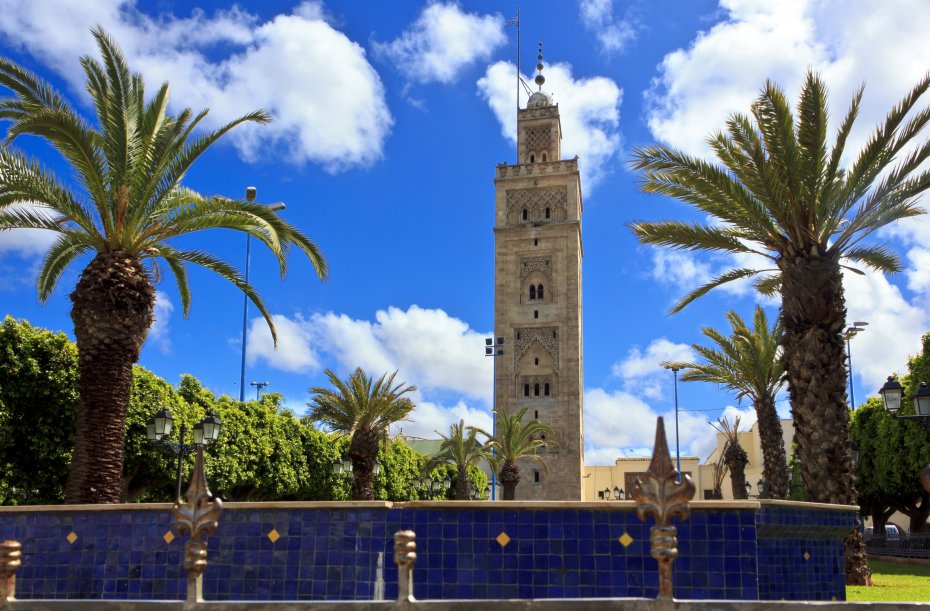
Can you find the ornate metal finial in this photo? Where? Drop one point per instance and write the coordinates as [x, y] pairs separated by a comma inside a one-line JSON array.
[[10, 554], [663, 496], [405, 556], [199, 518], [540, 79]]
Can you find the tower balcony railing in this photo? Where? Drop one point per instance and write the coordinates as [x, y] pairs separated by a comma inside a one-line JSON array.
[[538, 168]]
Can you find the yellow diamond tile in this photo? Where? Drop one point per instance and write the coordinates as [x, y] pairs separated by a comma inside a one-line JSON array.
[[168, 537], [72, 537], [625, 539], [274, 535], [807, 555], [503, 539]]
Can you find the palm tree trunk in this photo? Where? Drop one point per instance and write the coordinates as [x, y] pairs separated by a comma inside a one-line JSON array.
[[112, 310], [510, 477], [363, 452], [462, 485], [813, 317], [774, 459], [736, 460]]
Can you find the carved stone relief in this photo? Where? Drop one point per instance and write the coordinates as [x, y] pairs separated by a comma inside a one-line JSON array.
[[539, 139], [534, 264], [547, 336], [535, 200]]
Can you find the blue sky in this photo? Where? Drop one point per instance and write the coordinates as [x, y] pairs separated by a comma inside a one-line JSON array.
[[389, 120]]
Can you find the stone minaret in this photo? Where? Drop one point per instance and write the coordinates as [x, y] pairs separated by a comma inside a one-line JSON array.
[[537, 301]]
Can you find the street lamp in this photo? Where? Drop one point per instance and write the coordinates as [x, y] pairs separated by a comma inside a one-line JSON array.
[[675, 369], [493, 349], [204, 432], [250, 193], [748, 489], [892, 393], [760, 486], [258, 389], [848, 334], [618, 493]]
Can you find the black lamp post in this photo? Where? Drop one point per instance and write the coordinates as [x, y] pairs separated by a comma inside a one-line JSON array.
[[618, 493], [892, 393], [748, 490], [760, 486], [205, 432]]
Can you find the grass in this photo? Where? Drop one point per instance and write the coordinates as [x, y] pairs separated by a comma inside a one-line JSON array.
[[894, 581]]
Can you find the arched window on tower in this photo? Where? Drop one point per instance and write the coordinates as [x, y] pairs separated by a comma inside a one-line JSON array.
[[532, 292], [526, 390], [546, 389], [525, 214], [536, 390], [548, 213], [539, 292], [532, 158], [544, 157]]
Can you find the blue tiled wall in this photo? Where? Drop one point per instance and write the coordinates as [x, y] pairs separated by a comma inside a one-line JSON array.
[[346, 553]]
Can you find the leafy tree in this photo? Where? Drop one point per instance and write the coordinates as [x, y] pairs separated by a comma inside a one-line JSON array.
[[461, 449], [747, 363], [362, 409], [125, 207], [515, 441], [781, 195], [38, 392]]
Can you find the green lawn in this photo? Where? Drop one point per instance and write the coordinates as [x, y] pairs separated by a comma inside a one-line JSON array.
[[894, 581]]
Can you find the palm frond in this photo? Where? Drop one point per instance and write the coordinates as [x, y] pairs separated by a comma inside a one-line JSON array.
[[60, 255], [879, 258], [691, 236], [728, 276]]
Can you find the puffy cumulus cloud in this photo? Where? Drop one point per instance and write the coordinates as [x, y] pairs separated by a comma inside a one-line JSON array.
[[443, 41], [618, 423], [612, 34], [159, 332], [428, 348], [641, 369], [327, 101], [295, 350], [847, 41], [590, 114]]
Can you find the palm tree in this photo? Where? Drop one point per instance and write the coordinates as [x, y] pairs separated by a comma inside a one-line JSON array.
[[734, 456], [747, 362], [781, 195], [362, 409], [125, 206], [516, 441], [462, 449]]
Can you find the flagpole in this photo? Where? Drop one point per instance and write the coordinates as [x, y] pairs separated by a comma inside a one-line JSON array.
[[518, 65]]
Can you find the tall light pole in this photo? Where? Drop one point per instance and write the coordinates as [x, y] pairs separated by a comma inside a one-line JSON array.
[[259, 386], [848, 334], [493, 349], [250, 193], [675, 370]]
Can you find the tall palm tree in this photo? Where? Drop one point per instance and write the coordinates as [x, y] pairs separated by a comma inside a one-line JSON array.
[[462, 449], [747, 362], [124, 207], [515, 441], [783, 196], [362, 409]]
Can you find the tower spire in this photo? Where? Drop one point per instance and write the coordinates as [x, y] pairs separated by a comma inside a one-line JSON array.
[[540, 79]]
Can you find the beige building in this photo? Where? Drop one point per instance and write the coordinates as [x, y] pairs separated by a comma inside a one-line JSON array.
[[599, 480], [537, 302]]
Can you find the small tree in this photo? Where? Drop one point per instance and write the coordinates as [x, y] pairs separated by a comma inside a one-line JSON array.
[[515, 441], [462, 450], [362, 409], [734, 456]]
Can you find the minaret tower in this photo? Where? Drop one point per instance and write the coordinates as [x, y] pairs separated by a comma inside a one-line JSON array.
[[537, 301]]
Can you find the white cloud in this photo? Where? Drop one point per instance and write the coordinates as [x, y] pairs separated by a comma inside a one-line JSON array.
[[613, 35], [641, 369], [27, 243], [589, 107], [442, 42], [396, 340], [848, 41], [327, 101], [429, 417], [158, 333]]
